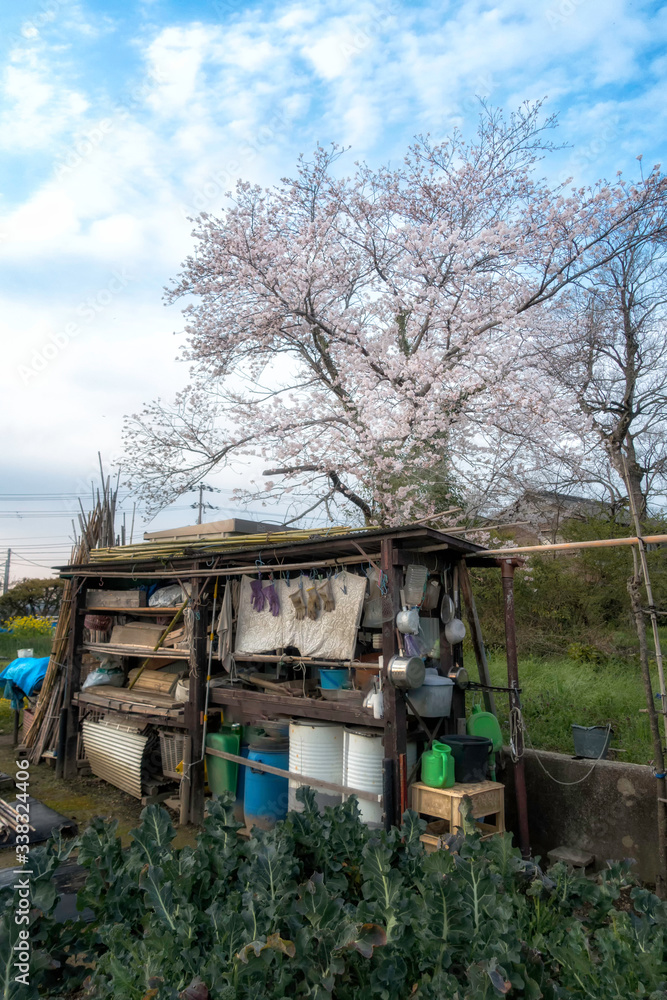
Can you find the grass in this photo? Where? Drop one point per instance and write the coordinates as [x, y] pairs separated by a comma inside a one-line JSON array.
[[11, 642], [559, 691]]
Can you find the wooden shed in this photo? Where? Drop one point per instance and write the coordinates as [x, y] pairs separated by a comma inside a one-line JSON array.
[[204, 569]]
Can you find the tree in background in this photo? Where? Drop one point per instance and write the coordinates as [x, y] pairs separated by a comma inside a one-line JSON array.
[[595, 370], [359, 335], [34, 598]]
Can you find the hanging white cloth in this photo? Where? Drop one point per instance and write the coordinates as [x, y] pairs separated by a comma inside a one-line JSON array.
[[331, 636]]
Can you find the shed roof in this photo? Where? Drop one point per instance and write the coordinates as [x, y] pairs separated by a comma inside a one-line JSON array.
[[151, 557]]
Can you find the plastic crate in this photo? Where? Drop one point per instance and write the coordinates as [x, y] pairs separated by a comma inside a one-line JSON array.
[[171, 749]]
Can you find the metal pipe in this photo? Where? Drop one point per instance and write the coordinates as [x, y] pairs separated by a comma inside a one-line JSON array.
[[507, 570]]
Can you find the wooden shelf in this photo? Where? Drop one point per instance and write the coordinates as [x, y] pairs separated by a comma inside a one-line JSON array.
[[258, 705], [130, 611], [121, 702], [145, 651]]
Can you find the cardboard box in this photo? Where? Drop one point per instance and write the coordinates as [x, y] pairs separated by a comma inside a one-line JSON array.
[[116, 599]]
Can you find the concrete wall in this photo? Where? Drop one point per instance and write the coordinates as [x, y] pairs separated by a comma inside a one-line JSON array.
[[612, 814]]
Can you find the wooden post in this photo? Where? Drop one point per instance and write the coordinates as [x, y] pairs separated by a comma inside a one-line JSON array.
[[194, 712], [476, 636], [507, 567], [184, 790], [394, 706], [73, 679]]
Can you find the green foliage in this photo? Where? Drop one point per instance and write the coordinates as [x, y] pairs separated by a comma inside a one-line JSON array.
[[322, 908], [571, 599], [32, 597]]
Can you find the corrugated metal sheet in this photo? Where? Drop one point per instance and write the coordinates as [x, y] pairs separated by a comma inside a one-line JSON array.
[[118, 754]]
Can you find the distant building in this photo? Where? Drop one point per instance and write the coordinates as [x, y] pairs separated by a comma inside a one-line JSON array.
[[546, 511]]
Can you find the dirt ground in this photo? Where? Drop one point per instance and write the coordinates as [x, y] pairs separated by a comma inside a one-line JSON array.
[[79, 800]]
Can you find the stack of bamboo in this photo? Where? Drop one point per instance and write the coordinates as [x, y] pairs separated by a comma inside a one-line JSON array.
[[95, 528], [10, 818]]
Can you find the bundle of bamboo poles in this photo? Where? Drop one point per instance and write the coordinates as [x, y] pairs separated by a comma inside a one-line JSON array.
[[10, 818], [95, 527], [182, 547]]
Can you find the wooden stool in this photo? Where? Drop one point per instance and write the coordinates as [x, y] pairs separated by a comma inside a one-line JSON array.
[[487, 798]]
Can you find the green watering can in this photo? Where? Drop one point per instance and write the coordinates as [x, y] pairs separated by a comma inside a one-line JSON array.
[[486, 724], [438, 766]]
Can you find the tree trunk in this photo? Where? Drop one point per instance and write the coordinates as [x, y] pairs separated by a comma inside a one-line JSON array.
[[659, 763]]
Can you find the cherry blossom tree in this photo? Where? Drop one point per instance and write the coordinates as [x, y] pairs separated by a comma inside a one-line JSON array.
[[357, 334]]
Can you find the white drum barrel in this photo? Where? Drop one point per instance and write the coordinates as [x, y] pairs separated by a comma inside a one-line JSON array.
[[362, 769], [315, 750]]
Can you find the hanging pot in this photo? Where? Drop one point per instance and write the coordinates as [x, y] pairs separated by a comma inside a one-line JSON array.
[[460, 677], [447, 609], [455, 631], [406, 672]]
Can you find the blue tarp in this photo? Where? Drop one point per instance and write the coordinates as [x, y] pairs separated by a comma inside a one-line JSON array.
[[23, 676]]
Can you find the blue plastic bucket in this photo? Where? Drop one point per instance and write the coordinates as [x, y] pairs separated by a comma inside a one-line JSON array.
[[330, 679], [266, 796]]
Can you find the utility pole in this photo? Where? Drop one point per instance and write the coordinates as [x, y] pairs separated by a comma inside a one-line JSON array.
[[6, 583], [201, 505]]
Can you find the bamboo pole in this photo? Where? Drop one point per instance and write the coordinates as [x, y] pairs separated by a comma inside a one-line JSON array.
[[572, 546], [157, 645], [641, 545]]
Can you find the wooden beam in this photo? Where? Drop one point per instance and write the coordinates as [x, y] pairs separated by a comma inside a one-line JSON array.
[[255, 705], [476, 636], [73, 678], [395, 725], [303, 779], [194, 711]]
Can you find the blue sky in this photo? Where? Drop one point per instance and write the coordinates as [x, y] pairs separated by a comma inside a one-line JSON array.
[[118, 120]]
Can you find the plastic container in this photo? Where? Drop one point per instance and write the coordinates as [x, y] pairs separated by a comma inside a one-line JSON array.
[[485, 724], [265, 796], [373, 613], [429, 633], [433, 699], [223, 774], [471, 757], [432, 595], [438, 766], [415, 584], [25, 654], [591, 741], [333, 678], [316, 750], [363, 754]]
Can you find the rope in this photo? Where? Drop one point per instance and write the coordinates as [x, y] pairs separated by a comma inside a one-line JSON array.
[[578, 780]]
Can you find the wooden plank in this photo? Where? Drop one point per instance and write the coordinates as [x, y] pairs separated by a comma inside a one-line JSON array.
[[167, 612], [159, 714], [123, 650], [117, 599], [294, 776], [476, 636], [256, 706]]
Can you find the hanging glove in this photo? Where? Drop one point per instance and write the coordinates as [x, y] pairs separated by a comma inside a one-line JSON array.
[[313, 602], [326, 595], [299, 607], [272, 597], [257, 599]]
